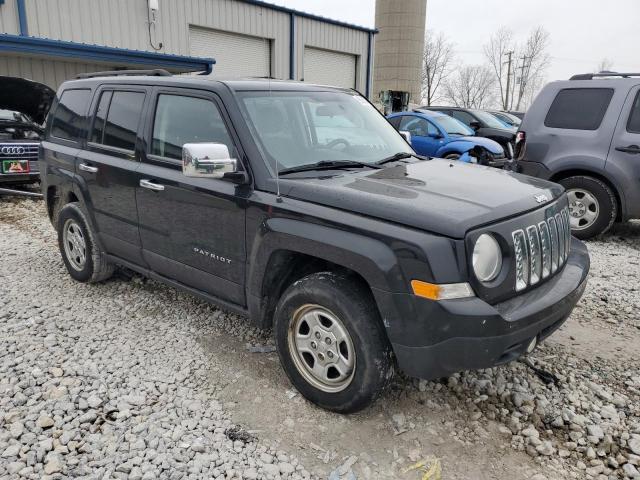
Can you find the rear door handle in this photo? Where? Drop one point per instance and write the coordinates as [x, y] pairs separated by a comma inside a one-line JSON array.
[[151, 186], [88, 168], [629, 149]]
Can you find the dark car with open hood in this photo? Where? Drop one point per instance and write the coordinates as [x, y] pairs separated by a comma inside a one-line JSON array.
[[23, 107], [300, 207]]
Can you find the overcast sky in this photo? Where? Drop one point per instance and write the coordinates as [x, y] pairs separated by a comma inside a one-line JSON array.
[[582, 32]]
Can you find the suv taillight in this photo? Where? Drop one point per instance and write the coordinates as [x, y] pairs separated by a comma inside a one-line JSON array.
[[521, 139]]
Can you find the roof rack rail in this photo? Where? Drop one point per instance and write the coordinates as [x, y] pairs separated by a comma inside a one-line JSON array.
[[591, 76], [158, 72]]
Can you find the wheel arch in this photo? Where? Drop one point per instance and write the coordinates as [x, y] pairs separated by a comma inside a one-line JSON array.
[[577, 172], [291, 249]]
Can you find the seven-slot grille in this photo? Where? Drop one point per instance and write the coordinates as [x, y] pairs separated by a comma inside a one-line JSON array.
[[542, 249], [19, 151]]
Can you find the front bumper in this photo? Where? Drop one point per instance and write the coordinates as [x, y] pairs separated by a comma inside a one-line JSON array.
[[471, 334], [21, 178]]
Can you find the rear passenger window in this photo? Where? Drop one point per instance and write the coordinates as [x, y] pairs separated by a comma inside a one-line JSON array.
[[117, 118], [579, 108], [69, 119], [634, 117], [101, 116], [181, 120]]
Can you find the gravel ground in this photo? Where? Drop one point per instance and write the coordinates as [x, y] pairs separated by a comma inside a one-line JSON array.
[[132, 379]]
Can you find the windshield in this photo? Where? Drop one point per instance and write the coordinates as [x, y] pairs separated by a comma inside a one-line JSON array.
[[452, 126], [11, 116], [490, 120], [304, 128], [511, 119]]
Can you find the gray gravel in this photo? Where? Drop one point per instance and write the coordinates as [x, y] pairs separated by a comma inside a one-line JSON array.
[[97, 382], [111, 380]]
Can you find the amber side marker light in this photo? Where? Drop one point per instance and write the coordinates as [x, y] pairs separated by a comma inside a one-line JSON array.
[[434, 291]]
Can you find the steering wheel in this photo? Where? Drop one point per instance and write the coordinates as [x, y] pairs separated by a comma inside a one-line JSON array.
[[338, 141]]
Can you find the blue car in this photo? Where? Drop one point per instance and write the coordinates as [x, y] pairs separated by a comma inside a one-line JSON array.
[[435, 134]]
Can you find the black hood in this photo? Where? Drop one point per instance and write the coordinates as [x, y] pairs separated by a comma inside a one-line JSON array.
[[24, 96], [440, 196]]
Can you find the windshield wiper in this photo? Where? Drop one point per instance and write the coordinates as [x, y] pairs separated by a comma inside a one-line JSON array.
[[396, 157], [328, 165]]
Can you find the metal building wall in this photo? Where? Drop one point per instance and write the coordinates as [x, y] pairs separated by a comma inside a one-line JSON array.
[[313, 33], [123, 24], [49, 72], [9, 18]]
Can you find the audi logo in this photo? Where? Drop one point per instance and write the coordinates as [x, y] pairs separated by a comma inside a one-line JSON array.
[[12, 150]]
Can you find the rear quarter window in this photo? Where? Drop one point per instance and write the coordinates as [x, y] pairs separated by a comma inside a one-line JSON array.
[[579, 108], [69, 118], [633, 126]]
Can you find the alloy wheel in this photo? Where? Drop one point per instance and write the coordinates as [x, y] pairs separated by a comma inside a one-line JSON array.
[[321, 348]]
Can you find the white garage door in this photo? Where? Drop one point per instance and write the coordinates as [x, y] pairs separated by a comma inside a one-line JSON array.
[[329, 68], [236, 55]]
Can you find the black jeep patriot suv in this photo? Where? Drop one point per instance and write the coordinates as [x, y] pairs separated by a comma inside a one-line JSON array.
[[360, 255]]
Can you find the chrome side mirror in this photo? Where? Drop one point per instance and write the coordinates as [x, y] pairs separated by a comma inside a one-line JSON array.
[[406, 135], [209, 160]]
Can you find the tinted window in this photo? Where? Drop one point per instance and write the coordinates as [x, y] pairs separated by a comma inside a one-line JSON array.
[[464, 117], [634, 117], [181, 120], [123, 116], [69, 118], [97, 134], [579, 108]]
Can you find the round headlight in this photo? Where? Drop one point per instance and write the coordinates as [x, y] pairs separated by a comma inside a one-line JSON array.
[[487, 258]]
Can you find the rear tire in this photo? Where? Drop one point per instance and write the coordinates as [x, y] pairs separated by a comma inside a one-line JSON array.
[[593, 207], [81, 254], [331, 342]]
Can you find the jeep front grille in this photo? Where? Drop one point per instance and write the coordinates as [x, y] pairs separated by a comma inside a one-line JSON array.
[[541, 250]]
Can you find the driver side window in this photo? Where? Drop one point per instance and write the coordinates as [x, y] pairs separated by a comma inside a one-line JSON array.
[[416, 126]]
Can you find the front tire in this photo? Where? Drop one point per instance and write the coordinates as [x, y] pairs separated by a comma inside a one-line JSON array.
[[83, 258], [331, 342], [593, 207]]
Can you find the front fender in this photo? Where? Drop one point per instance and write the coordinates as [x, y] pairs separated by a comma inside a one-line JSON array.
[[454, 147], [378, 265]]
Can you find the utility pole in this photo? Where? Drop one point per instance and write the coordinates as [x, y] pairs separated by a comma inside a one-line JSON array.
[[523, 85], [508, 62]]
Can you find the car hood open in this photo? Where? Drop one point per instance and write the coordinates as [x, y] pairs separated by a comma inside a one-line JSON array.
[[441, 196], [25, 96]]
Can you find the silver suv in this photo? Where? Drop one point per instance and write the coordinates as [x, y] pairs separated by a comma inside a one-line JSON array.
[[584, 133]]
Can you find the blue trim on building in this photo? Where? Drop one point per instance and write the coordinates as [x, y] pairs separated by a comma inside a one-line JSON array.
[[22, 18], [292, 46], [319, 18], [369, 64], [44, 47]]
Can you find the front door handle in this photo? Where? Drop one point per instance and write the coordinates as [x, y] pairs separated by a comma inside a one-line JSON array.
[[88, 168], [629, 149], [151, 186]]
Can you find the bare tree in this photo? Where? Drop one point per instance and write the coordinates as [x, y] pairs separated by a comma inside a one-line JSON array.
[[497, 51], [472, 86], [605, 65], [534, 62], [517, 68], [437, 64]]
